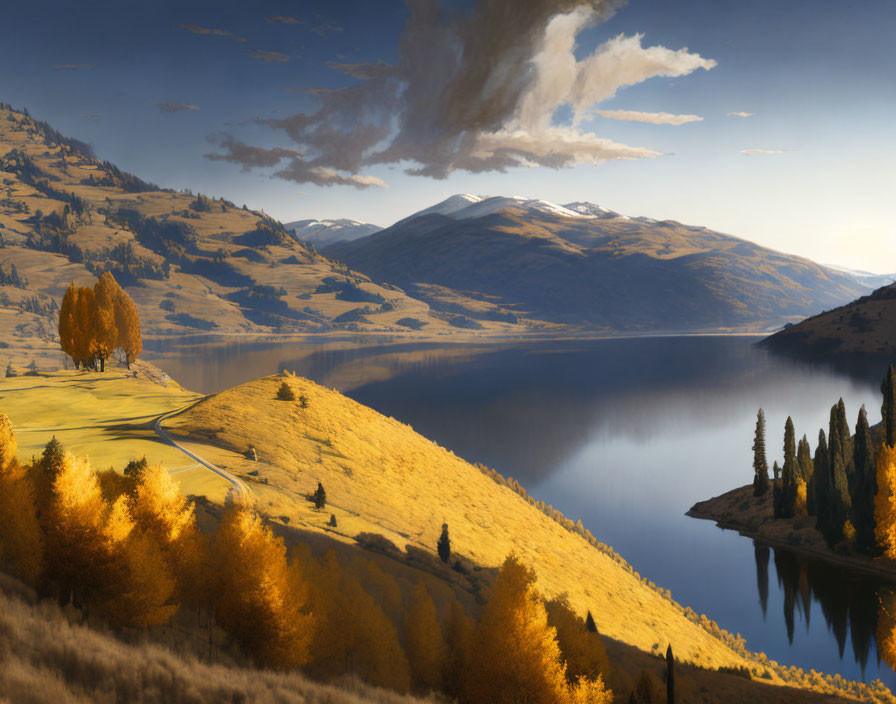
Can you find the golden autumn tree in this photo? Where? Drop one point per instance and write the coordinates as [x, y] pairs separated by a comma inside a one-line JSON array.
[[458, 628], [67, 323], [582, 651], [885, 502], [84, 344], [259, 601], [160, 511], [127, 324], [424, 641], [517, 657], [352, 635], [21, 543], [105, 334]]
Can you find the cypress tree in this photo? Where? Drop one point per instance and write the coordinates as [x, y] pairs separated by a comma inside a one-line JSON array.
[[888, 409], [788, 489], [822, 482], [670, 676], [444, 545], [760, 464], [320, 497], [839, 461], [590, 625], [777, 491], [864, 485]]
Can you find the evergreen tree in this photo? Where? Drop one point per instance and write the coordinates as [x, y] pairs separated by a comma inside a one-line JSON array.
[[789, 473], [888, 409], [760, 464], [590, 624], [320, 497], [444, 545], [670, 676], [864, 485], [840, 464], [822, 480]]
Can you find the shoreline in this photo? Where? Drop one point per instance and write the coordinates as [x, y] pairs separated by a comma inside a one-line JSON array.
[[752, 517]]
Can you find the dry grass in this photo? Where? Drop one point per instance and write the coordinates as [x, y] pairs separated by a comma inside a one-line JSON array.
[[382, 477], [45, 656]]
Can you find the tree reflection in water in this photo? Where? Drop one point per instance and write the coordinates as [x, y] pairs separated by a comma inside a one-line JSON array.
[[863, 607]]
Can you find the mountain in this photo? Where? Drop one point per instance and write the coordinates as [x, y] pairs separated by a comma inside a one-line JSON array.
[[192, 264], [587, 267], [325, 232], [864, 330]]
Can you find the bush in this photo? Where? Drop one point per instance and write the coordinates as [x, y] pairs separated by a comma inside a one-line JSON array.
[[285, 393]]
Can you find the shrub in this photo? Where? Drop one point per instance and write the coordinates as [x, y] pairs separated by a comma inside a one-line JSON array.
[[285, 393]]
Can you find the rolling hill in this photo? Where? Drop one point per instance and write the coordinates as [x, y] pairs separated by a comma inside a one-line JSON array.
[[192, 264], [863, 330], [585, 266]]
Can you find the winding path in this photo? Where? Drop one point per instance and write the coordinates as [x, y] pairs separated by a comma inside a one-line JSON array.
[[238, 484]]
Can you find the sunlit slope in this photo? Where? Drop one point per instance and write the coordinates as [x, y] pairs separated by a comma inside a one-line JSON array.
[[191, 263], [382, 477], [865, 328], [613, 272], [105, 416]]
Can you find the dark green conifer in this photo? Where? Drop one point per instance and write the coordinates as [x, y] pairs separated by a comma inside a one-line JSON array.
[[760, 464], [51, 457], [320, 497], [590, 625], [444, 545], [788, 483], [864, 485], [670, 676], [822, 479], [888, 409], [840, 462]]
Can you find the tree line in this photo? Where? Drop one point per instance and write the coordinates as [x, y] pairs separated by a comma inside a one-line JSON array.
[[849, 485], [95, 321], [125, 547]]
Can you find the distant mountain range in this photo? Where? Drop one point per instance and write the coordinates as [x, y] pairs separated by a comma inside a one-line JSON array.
[[585, 266], [326, 232]]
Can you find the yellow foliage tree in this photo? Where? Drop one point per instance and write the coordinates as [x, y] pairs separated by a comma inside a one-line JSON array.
[[352, 633], [259, 601], [517, 656], [127, 323], [582, 651], [425, 644], [885, 502], [459, 629], [67, 323], [104, 333], [21, 543]]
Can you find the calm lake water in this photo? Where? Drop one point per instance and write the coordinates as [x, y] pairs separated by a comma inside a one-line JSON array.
[[626, 435]]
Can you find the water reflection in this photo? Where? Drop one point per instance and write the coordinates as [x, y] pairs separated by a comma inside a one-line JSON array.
[[849, 603]]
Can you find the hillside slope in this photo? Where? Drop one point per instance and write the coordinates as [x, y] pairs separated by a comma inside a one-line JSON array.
[[382, 478], [862, 330], [587, 266], [191, 263]]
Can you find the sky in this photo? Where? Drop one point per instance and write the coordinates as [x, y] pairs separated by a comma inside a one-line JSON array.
[[770, 120]]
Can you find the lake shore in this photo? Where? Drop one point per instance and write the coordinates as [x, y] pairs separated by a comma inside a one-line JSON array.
[[752, 517]]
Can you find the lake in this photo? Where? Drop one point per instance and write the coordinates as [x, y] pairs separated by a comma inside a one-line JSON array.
[[625, 434]]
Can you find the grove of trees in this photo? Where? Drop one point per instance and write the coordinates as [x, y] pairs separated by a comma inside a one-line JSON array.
[[126, 548], [94, 322], [849, 486]]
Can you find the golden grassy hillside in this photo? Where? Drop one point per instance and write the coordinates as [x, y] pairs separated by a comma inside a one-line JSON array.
[[65, 215], [382, 477]]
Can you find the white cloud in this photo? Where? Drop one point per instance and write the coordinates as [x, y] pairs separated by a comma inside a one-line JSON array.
[[761, 152], [741, 114], [654, 118]]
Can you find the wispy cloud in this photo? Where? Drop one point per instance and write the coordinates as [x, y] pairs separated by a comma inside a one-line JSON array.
[[174, 107], [654, 118], [268, 56], [284, 20], [741, 114], [212, 31], [90, 116], [74, 67], [477, 91], [764, 152], [323, 29]]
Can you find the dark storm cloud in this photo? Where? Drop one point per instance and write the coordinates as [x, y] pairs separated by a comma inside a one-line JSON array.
[[213, 31], [268, 56], [174, 107], [476, 91], [247, 156]]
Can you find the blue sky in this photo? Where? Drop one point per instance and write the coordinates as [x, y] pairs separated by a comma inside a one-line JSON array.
[[816, 76]]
